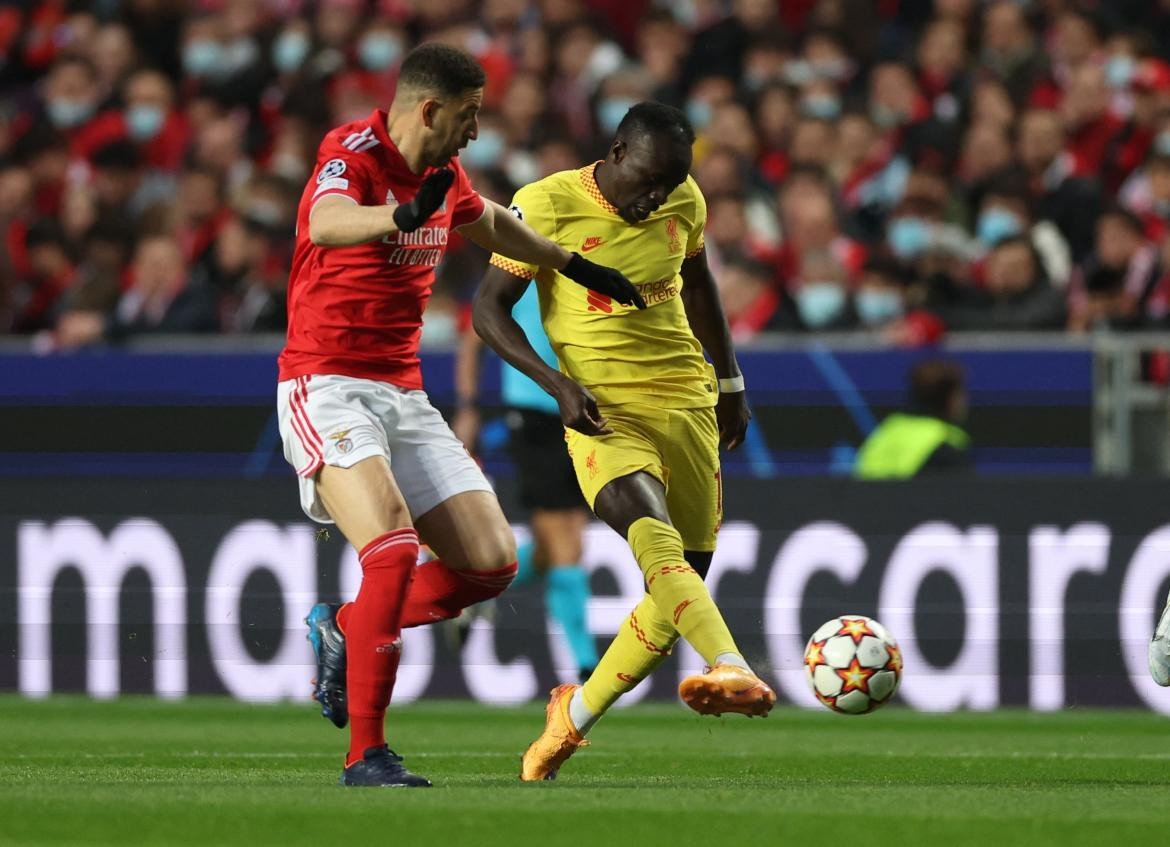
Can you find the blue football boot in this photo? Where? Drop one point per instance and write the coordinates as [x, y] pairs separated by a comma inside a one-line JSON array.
[[329, 646]]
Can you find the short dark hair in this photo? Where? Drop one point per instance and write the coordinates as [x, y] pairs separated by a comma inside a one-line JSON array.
[[1039, 271], [46, 232], [932, 384], [1009, 184], [1124, 216], [651, 118], [441, 69]]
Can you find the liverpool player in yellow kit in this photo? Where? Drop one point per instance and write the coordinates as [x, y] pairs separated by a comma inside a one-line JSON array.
[[644, 412]]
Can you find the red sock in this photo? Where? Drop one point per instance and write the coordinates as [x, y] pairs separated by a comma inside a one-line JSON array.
[[439, 593], [372, 624]]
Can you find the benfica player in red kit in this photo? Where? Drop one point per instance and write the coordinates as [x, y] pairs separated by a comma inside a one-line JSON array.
[[371, 453]]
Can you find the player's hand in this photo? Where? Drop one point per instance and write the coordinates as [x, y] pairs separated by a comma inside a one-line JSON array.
[[732, 415], [603, 280], [410, 216], [579, 409]]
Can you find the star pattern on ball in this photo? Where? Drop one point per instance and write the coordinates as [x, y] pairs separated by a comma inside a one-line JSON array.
[[895, 661], [855, 628], [813, 656], [831, 702], [855, 677]]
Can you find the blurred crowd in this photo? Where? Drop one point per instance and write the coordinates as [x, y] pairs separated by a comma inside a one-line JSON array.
[[901, 167]]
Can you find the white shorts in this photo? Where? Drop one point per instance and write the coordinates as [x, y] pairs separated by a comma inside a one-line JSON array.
[[340, 420]]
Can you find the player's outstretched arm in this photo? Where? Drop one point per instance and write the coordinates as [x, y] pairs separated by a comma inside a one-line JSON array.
[[338, 221], [501, 232], [492, 318], [709, 324]]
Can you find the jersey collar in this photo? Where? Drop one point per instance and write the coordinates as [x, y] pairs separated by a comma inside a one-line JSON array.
[[589, 181]]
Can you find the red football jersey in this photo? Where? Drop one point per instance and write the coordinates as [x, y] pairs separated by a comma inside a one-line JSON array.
[[357, 311]]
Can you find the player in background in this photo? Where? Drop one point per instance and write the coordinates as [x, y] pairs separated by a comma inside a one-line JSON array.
[[548, 486], [371, 453], [644, 411]]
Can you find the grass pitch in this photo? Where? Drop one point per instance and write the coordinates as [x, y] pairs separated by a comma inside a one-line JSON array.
[[210, 771]]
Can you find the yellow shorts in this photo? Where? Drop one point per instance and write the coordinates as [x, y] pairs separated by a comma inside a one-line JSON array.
[[679, 447]]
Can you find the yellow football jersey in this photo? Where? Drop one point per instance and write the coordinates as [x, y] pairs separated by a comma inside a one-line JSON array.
[[621, 354]]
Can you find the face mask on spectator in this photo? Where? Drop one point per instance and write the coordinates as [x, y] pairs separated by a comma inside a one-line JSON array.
[[290, 166], [756, 80], [799, 72], [823, 106], [1162, 144], [832, 69], [239, 55], [66, 113], [202, 58], [884, 116], [819, 302], [610, 112], [996, 224], [877, 306], [485, 151], [699, 114], [379, 52], [144, 121], [1119, 71], [521, 167], [289, 51], [908, 237], [265, 212]]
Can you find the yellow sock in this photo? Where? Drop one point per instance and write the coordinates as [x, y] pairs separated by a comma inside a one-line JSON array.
[[643, 642], [678, 592]]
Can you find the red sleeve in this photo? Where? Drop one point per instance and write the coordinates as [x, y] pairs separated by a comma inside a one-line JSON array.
[[343, 171], [468, 203]]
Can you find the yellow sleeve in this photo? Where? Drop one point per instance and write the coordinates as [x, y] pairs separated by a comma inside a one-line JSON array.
[[532, 205], [695, 239]]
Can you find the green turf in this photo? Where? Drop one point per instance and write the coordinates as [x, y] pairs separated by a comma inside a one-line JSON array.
[[210, 771]]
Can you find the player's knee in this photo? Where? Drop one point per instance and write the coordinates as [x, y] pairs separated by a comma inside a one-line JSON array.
[[494, 550]]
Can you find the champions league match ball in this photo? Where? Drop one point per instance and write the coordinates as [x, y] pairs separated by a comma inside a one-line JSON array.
[[852, 664]]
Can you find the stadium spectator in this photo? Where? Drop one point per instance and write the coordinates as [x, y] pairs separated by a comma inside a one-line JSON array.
[[1006, 212], [70, 96], [158, 299], [750, 299], [881, 298], [1111, 286], [820, 293], [50, 273], [1034, 118], [1015, 295], [1059, 194], [147, 119]]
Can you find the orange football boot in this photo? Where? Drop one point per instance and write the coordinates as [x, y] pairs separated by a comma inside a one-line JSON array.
[[727, 688], [558, 742]]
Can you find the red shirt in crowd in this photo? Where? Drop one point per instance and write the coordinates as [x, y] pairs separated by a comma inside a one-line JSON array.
[[164, 152], [357, 311]]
